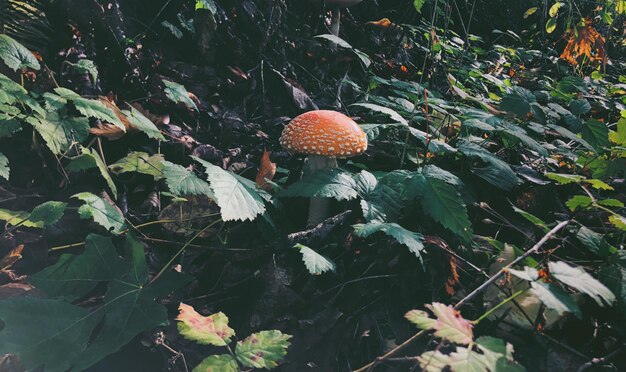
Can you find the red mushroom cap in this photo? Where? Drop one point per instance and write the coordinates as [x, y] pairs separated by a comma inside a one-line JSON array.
[[324, 132]]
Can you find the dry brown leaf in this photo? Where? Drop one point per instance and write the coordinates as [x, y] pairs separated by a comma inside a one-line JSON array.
[[383, 23], [267, 170], [584, 41], [12, 257], [108, 130], [156, 119]]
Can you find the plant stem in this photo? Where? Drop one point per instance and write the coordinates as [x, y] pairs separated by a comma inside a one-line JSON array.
[[495, 308]]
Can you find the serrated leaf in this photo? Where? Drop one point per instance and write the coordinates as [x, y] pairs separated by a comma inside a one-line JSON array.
[[413, 240], [92, 108], [571, 136], [497, 172], [15, 55], [60, 132], [101, 212], [182, 182], [565, 179], [421, 319], [596, 133], [140, 122], [4, 167], [86, 66], [618, 221], [555, 298], [448, 324], [61, 336], [418, 4], [315, 263], [327, 183], [140, 162], [217, 363], [595, 242], [263, 349], [178, 94], [206, 330], [12, 218], [580, 280], [578, 201], [47, 213], [579, 106], [89, 158], [598, 184], [532, 218], [239, 199], [381, 199], [611, 203], [383, 110]]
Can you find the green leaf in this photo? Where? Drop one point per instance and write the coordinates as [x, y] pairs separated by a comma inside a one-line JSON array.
[[47, 213], [239, 199], [86, 66], [263, 349], [140, 162], [206, 330], [4, 167], [516, 103], [554, 9], [207, 4], [15, 55], [530, 11], [393, 115], [327, 183], [532, 218], [138, 121], [611, 203], [217, 363], [618, 221], [580, 280], [60, 336], [91, 108], [101, 212], [315, 263], [578, 201], [497, 172], [565, 179], [12, 218], [596, 133], [551, 25], [418, 4], [598, 184], [595, 242], [580, 106], [555, 298], [60, 133], [413, 240], [182, 182], [363, 57], [89, 158], [381, 199], [571, 136], [178, 94]]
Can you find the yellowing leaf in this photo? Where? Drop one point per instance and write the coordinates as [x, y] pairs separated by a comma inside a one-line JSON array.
[[448, 325], [207, 330], [554, 9], [530, 12]]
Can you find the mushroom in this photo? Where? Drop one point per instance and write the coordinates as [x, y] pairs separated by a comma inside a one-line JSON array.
[[336, 6], [324, 136]]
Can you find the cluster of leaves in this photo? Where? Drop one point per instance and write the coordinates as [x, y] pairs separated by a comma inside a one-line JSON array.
[[259, 350]]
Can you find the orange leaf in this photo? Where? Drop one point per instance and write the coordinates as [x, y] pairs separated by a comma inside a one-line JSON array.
[[585, 41], [12, 257], [267, 170]]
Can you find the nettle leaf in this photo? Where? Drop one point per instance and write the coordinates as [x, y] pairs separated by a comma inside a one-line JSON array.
[[47, 213], [140, 162], [53, 333], [15, 55], [381, 199], [315, 263], [448, 324], [4, 167], [206, 330], [413, 240], [60, 132], [327, 183], [92, 108], [596, 133], [555, 298], [101, 212], [580, 280], [89, 158], [578, 201], [217, 363], [239, 199], [383, 110], [182, 182], [140, 122], [263, 349], [497, 172], [178, 94]]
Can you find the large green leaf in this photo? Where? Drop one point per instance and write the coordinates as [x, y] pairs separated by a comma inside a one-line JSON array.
[[413, 240], [217, 363], [140, 162], [263, 349], [580, 280], [178, 94], [327, 183], [15, 55], [47, 213], [60, 132], [239, 199], [4, 167], [381, 199], [181, 181], [89, 158], [497, 172], [393, 115], [595, 242], [596, 133], [60, 336], [101, 212], [555, 298], [140, 122], [91, 108]]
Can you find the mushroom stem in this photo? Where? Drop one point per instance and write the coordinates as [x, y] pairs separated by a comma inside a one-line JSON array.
[[319, 207]]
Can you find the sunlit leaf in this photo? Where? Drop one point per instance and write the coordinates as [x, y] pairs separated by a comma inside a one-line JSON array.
[[315, 263], [15, 55], [580, 280], [207, 330], [263, 349], [101, 212]]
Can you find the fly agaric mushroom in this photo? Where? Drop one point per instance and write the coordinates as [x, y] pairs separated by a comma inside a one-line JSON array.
[[336, 12], [324, 136]]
